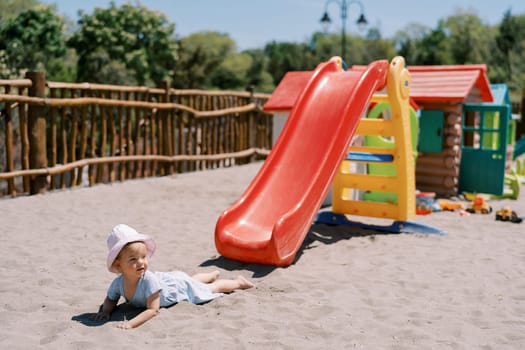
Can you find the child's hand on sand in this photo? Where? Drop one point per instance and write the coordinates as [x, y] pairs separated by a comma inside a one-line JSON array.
[[124, 324]]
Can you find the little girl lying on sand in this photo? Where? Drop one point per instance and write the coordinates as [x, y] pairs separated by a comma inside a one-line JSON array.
[[128, 256]]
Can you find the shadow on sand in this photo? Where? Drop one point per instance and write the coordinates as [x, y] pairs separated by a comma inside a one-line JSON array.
[[326, 234], [121, 313]]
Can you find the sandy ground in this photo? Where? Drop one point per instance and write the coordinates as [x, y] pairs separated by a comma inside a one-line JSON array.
[[348, 288]]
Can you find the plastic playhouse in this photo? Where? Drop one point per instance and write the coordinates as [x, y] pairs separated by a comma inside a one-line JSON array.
[[467, 130]]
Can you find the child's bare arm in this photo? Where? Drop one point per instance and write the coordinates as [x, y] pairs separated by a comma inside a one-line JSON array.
[[107, 308], [152, 309]]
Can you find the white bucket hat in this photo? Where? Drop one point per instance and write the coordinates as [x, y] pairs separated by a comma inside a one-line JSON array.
[[120, 236]]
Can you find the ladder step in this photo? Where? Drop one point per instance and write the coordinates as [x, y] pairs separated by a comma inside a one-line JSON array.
[[370, 157]]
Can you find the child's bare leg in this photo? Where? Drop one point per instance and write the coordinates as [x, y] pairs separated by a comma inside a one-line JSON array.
[[207, 277], [226, 286]]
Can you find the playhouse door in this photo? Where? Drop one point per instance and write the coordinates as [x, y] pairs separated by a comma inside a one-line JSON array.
[[484, 145]]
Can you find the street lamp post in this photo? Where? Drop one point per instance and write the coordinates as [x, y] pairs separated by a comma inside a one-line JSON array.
[[343, 6]]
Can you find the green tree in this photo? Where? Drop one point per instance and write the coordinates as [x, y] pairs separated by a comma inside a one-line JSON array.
[[106, 70], [359, 50], [469, 39], [511, 33], [284, 57], [376, 47], [200, 55], [33, 40], [230, 74], [324, 46], [124, 44], [510, 40], [192, 70], [257, 75], [406, 41], [9, 9], [434, 48]]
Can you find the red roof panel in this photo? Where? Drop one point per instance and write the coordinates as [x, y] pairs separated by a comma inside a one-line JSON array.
[[429, 83], [449, 82], [286, 93]]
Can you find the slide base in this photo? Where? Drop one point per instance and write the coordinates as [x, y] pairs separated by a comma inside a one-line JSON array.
[[327, 217]]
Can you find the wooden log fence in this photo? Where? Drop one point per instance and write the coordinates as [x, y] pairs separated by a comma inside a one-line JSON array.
[[57, 135]]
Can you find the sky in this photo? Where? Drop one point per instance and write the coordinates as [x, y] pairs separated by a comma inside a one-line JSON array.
[[252, 24]]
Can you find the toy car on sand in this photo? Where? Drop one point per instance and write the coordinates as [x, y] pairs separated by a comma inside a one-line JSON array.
[[479, 205], [507, 214]]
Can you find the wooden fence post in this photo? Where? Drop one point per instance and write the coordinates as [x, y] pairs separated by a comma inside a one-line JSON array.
[[37, 132], [166, 147], [252, 125]]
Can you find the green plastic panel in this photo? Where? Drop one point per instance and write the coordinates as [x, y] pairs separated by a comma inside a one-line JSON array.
[[431, 131]]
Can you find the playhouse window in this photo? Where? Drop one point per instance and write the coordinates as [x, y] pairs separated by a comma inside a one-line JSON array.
[[481, 130]]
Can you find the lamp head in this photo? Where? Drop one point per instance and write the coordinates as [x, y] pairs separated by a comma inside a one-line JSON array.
[[362, 22], [325, 21]]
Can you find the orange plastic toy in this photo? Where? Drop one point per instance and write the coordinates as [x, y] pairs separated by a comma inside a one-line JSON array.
[[450, 205], [479, 205]]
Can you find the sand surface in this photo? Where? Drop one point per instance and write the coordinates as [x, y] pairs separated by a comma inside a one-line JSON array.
[[348, 288]]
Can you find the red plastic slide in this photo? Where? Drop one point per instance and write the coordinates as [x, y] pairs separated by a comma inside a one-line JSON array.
[[269, 222]]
